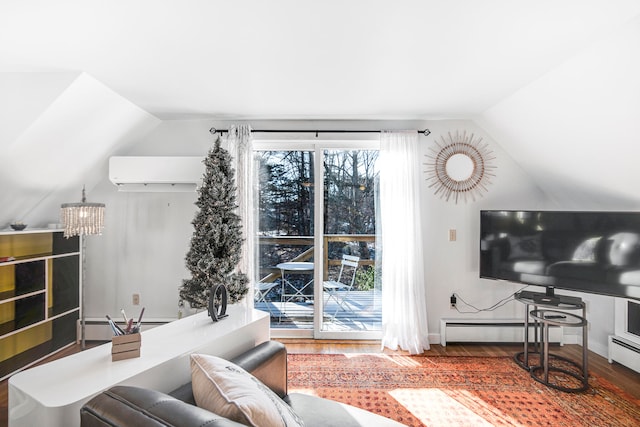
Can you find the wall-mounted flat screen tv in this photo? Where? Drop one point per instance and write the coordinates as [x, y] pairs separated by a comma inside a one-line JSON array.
[[595, 252]]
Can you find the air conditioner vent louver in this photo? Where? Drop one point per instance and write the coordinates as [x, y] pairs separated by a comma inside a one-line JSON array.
[[156, 174]]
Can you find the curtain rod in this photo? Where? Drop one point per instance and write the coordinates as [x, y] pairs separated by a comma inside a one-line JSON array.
[[213, 131]]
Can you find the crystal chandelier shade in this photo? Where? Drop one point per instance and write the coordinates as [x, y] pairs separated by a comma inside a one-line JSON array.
[[82, 218]]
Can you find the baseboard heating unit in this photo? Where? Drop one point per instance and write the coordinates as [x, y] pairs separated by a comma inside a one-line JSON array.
[[625, 352], [491, 330], [97, 329]]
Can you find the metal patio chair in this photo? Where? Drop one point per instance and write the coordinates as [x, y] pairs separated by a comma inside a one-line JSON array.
[[339, 290], [261, 291]]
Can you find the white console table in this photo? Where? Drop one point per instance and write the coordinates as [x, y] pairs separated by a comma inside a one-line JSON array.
[[52, 394]]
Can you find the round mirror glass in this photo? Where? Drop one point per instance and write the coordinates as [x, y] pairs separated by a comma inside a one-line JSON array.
[[459, 167]]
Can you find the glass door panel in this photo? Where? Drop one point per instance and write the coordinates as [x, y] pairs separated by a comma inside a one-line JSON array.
[[285, 199], [351, 294]]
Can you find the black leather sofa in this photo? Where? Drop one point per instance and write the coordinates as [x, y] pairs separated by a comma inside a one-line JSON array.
[[140, 407]]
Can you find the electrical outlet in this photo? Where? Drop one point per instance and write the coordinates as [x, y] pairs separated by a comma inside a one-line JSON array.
[[136, 299], [453, 235]]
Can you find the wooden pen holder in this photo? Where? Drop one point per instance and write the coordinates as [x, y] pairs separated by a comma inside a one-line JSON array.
[[125, 346]]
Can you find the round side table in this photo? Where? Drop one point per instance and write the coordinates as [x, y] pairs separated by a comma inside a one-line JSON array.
[[563, 377], [530, 299]]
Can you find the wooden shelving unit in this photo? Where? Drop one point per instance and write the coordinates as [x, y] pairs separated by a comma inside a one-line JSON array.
[[39, 296]]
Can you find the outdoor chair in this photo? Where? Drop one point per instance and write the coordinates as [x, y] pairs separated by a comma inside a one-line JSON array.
[[261, 291], [338, 290]]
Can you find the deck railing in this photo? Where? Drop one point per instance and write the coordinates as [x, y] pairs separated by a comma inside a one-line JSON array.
[[272, 273]]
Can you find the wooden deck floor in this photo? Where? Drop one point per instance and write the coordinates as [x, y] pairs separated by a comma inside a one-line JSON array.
[[363, 313]]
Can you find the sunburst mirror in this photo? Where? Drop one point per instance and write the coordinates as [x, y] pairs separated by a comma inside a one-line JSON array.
[[460, 167]]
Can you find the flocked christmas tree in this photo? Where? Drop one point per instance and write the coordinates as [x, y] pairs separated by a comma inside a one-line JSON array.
[[217, 240]]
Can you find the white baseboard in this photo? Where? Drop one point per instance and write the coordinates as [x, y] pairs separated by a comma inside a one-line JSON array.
[[491, 330], [624, 352]]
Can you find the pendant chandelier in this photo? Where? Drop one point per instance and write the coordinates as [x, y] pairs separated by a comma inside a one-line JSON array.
[[82, 218]]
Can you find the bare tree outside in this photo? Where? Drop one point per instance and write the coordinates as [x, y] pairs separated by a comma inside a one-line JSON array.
[[286, 208], [287, 233]]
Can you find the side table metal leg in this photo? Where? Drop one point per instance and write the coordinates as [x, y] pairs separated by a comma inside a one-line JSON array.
[[585, 355], [545, 344], [536, 333], [526, 336]]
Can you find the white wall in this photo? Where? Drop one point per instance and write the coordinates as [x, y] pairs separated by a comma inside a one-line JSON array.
[[453, 266], [572, 133], [141, 251], [575, 132], [575, 129], [147, 234], [60, 127]]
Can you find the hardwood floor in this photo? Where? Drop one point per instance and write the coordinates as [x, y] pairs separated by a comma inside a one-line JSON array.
[[626, 379]]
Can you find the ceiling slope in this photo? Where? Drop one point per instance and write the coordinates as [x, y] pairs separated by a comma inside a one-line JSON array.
[[25, 96], [576, 129], [64, 147], [306, 59]]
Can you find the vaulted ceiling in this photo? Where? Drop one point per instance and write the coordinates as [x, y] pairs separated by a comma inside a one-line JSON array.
[[305, 59], [544, 77]]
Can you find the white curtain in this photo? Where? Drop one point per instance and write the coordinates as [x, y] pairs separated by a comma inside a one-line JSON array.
[[404, 312], [240, 145]]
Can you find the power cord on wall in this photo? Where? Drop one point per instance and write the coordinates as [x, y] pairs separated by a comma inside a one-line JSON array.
[[455, 297]]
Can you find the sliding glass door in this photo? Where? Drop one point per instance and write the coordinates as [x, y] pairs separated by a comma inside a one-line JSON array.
[[316, 210]]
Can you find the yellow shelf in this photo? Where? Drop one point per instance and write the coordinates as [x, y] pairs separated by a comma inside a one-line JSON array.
[[39, 295]]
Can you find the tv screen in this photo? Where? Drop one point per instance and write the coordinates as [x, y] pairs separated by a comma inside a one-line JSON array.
[[596, 252]]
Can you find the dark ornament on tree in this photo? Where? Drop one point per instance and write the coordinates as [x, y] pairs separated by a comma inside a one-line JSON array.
[[216, 244], [218, 302]]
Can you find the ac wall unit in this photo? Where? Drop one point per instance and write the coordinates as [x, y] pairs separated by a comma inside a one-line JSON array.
[[156, 174]]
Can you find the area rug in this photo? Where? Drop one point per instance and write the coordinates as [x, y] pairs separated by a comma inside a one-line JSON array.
[[457, 391]]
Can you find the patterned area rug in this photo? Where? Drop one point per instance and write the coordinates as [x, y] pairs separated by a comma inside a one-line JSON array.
[[457, 391]]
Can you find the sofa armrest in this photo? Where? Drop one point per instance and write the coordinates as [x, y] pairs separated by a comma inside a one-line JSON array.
[[134, 406], [268, 363]]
